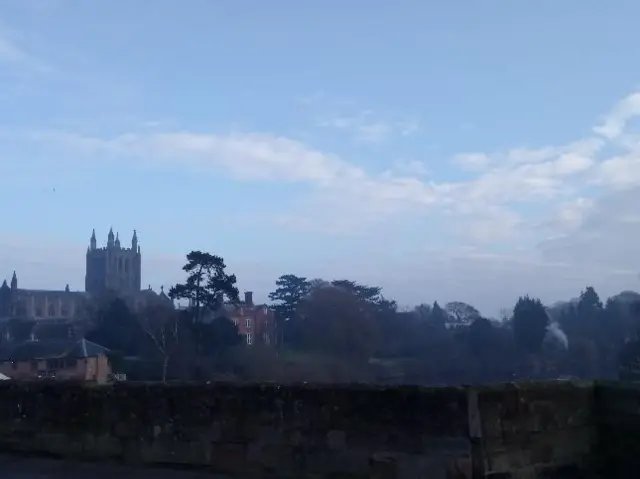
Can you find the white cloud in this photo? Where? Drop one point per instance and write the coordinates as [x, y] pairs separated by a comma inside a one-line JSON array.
[[493, 224], [411, 167], [521, 177], [619, 171], [517, 198], [261, 157], [571, 214], [581, 150], [367, 127], [472, 161], [267, 157], [362, 127], [247, 156], [616, 120], [605, 235], [341, 186]]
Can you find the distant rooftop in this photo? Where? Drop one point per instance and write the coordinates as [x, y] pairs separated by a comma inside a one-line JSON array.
[[52, 349]]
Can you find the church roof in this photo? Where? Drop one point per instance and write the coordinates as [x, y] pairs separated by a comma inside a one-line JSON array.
[[150, 294], [51, 292]]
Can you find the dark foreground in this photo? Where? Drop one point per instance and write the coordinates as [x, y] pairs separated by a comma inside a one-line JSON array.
[[24, 467], [28, 467]]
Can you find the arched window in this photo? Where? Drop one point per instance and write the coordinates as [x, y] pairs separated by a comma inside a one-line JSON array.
[[126, 265], [52, 310]]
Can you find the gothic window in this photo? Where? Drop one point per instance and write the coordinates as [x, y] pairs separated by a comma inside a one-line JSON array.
[[52, 310], [64, 310], [126, 265], [38, 311]]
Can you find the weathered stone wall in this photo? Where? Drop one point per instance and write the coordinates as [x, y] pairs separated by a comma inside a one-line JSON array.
[[534, 429], [292, 431], [309, 431], [618, 414]]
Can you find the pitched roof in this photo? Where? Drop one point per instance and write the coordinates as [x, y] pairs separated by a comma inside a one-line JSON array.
[[52, 349], [86, 349]]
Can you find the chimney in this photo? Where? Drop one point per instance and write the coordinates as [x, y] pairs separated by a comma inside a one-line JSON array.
[[248, 298]]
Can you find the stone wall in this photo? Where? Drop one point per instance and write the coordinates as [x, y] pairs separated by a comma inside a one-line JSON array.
[[292, 431], [309, 431], [534, 430], [618, 414]]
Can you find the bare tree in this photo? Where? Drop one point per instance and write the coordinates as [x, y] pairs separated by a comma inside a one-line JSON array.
[[161, 324]]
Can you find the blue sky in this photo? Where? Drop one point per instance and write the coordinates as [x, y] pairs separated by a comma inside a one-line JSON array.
[[444, 150]]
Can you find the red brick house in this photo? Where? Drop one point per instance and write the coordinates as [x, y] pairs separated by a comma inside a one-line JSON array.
[[254, 321]]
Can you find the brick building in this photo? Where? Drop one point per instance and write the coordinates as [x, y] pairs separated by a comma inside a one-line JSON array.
[[255, 322], [56, 359]]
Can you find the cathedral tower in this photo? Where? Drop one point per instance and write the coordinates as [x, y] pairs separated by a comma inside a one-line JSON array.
[[113, 267]]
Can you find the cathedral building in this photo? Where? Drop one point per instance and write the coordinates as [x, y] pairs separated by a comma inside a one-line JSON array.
[[38, 304], [112, 268]]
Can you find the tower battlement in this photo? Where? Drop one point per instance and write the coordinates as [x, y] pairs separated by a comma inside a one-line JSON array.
[[106, 248], [113, 267]]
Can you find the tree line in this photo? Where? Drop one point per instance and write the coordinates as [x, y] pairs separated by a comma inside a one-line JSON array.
[[454, 343], [342, 330]]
